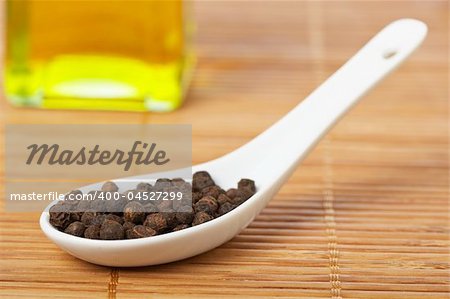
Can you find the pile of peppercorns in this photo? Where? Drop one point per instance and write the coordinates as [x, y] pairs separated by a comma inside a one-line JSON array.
[[131, 219]]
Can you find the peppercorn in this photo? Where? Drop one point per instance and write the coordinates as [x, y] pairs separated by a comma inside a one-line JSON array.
[[98, 204], [128, 225], [140, 231], [244, 193], [88, 217], [201, 217], [225, 208], [59, 219], [223, 198], [231, 193], [115, 205], [75, 216], [171, 218], [99, 219], [164, 205], [83, 206], [111, 230], [185, 188], [114, 218], [185, 200], [185, 215], [150, 208], [201, 180], [110, 187], [196, 196], [180, 227], [178, 182], [248, 184], [67, 205], [213, 191], [207, 204], [157, 222], [134, 212], [162, 183], [246, 188], [146, 187], [92, 232], [238, 200], [75, 228]]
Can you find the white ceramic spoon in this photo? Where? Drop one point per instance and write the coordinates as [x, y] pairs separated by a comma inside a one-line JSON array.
[[269, 159]]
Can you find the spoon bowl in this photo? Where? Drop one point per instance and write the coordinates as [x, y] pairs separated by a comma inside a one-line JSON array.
[[269, 159], [161, 248]]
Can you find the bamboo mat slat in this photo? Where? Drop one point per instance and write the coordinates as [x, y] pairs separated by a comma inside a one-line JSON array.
[[365, 216]]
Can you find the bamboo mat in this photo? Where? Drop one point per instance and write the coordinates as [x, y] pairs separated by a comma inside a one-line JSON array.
[[365, 216]]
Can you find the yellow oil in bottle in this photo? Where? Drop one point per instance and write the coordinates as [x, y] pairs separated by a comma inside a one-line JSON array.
[[94, 54]]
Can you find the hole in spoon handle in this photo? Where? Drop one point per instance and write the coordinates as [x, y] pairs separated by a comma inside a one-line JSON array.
[[398, 40], [389, 53]]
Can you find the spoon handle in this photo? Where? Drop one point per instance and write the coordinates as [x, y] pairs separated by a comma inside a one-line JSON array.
[[273, 155]]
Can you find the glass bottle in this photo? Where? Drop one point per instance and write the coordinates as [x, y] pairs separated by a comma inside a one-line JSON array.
[[94, 54]]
